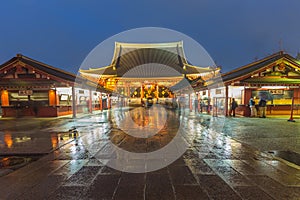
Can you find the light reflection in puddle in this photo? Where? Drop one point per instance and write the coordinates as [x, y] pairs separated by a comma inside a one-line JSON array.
[[58, 139], [8, 140]]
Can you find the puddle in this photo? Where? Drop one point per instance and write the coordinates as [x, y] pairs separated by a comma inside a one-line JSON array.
[[9, 164], [290, 156]]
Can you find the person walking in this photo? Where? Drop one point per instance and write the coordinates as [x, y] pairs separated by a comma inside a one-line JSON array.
[[262, 108], [233, 106], [252, 107]]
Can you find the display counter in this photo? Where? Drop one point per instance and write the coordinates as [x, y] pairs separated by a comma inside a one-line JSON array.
[[272, 109]]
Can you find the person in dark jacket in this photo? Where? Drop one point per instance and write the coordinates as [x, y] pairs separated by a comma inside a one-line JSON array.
[[233, 106], [252, 107], [262, 108]]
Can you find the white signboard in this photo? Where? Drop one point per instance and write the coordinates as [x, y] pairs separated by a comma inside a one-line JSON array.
[[25, 92]]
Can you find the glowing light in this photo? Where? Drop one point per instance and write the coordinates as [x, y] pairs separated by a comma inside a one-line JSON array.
[[8, 140], [54, 141]]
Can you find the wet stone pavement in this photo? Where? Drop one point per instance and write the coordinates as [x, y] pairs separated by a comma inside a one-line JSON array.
[[214, 165]]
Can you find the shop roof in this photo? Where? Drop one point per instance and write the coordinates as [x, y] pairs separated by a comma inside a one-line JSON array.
[[55, 73], [41, 66], [246, 73]]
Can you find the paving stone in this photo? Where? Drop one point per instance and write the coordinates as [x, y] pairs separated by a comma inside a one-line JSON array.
[[44, 188], [252, 193], [278, 175], [94, 162], [235, 179], [109, 171], [103, 187], [190, 192], [198, 166], [133, 179], [84, 176], [159, 171], [70, 168], [284, 167], [181, 175], [4, 172], [216, 187], [69, 192], [243, 168], [130, 192], [158, 186], [275, 189]]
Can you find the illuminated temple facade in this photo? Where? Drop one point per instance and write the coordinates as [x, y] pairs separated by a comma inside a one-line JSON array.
[[156, 70], [138, 71]]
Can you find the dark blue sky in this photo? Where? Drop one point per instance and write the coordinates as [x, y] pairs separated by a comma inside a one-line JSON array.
[[62, 32]]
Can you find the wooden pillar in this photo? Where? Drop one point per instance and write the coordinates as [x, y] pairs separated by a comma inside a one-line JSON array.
[[128, 94], [226, 100], [4, 98], [209, 101], [57, 99], [157, 96], [100, 102], [198, 97], [90, 101], [190, 103], [142, 91], [128, 90], [52, 97], [74, 109], [108, 101]]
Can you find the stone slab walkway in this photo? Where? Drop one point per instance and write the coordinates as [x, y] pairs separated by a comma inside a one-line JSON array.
[[230, 164]]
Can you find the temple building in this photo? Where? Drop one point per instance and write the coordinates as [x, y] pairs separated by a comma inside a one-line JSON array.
[[150, 70], [159, 71], [32, 88], [275, 78]]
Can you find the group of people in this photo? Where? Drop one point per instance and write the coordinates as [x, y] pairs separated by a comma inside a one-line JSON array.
[[199, 105], [262, 105]]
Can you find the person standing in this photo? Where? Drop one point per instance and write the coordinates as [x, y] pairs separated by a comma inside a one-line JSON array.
[[252, 107], [201, 105], [196, 105], [18, 108], [233, 106], [262, 108]]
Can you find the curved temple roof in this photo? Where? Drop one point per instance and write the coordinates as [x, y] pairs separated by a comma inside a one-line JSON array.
[[150, 59]]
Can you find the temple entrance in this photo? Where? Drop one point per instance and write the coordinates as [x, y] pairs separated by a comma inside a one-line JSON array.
[[150, 91], [158, 93]]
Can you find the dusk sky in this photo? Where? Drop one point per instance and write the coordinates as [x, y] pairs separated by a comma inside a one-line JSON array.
[[234, 32]]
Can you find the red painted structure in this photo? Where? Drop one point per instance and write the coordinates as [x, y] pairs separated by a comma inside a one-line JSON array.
[[277, 76], [29, 88]]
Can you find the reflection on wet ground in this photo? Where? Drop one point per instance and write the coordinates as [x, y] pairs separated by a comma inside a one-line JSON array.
[[146, 132], [214, 166], [8, 164], [288, 156]]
